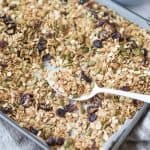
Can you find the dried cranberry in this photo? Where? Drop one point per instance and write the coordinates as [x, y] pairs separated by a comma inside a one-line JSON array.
[[85, 77], [18, 53], [70, 107], [51, 141], [116, 35], [26, 99], [97, 43], [92, 117], [33, 130], [60, 141], [46, 57], [145, 52], [54, 141], [125, 88], [41, 44], [3, 65], [61, 112], [101, 22], [3, 44], [135, 102]]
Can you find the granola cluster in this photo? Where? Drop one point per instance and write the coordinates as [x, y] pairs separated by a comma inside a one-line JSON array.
[[89, 43]]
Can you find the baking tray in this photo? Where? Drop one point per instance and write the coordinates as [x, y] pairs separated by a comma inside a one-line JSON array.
[[119, 137]]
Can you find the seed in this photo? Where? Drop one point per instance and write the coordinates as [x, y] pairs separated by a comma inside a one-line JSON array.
[[46, 57], [60, 141], [61, 112], [116, 35], [26, 99], [51, 141], [41, 44], [45, 107], [70, 107], [133, 44], [33, 130], [92, 117], [3, 44], [103, 35], [97, 44], [85, 77]]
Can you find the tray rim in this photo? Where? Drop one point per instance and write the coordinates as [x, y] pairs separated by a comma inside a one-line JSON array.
[[131, 16]]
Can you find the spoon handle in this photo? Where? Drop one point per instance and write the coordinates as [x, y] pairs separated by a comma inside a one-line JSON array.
[[136, 96]]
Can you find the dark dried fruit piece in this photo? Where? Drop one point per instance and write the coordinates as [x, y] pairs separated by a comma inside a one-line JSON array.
[[3, 65], [61, 112], [46, 57], [116, 35], [125, 88], [101, 22], [3, 44], [33, 130], [41, 44], [97, 43], [51, 141], [55, 141], [70, 107], [26, 99], [145, 56], [85, 77], [6, 110], [92, 117], [60, 141]]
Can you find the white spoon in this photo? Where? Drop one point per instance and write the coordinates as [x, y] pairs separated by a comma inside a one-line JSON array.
[[97, 90]]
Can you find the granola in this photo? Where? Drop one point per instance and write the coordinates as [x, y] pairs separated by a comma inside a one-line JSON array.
[[90, 43]]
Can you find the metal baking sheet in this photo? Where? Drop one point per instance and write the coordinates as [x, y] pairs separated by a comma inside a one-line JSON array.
[[118, 138]]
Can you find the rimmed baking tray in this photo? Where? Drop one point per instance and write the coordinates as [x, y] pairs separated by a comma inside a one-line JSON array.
[[118, 138]]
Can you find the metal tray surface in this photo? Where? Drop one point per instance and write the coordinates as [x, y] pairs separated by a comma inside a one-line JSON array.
[[118, 138]]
